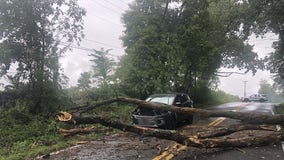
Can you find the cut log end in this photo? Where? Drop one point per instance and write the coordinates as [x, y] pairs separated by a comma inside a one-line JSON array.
[[64, 116]]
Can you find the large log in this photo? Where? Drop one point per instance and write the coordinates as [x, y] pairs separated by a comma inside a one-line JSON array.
[[248, 117], [245, 141]]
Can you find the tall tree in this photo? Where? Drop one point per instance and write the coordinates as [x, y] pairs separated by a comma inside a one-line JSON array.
[[263, 16], [271, 92], [30, 32], [84, 82], [103, 66], [179, 47]]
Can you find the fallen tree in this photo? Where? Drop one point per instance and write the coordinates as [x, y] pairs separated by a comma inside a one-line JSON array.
[[248, 117], [191, 140], [210, 138]]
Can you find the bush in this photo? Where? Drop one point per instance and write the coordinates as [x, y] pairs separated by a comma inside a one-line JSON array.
[[279, 109], [20, 130], [218, 97]]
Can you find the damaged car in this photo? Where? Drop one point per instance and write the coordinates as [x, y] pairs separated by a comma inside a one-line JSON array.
[[160, 118]]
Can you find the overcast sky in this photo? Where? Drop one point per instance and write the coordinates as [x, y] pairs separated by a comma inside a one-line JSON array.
[[103, 28]]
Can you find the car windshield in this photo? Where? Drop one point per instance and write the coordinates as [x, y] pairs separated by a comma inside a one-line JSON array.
[[165, 99]]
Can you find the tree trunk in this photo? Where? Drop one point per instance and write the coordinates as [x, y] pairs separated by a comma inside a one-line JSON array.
[[249, 117], [244, 141]]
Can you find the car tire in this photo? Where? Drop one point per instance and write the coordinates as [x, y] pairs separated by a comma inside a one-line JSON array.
[[246, 100]]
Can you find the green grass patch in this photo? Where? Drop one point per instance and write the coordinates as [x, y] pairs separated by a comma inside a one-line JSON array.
[[25, 136]]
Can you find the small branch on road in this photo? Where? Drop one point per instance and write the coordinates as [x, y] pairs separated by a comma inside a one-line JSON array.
[[72, 132]]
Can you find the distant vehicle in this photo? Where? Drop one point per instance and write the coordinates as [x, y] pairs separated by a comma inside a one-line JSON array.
[[163, 119], [256, 98]]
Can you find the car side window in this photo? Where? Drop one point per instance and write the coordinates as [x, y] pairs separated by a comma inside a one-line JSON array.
[[183, 99], [178, 100]]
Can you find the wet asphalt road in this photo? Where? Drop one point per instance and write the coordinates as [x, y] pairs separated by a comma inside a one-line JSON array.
[[132, 146], [271, 152], [247, 107]]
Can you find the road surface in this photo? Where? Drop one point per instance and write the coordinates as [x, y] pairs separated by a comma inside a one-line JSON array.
[[132, 146]]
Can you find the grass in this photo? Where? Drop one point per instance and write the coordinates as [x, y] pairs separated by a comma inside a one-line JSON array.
[[31, 136]]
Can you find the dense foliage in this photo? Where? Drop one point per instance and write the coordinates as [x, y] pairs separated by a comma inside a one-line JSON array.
[[179, 46], [30, 34], [264, 16]]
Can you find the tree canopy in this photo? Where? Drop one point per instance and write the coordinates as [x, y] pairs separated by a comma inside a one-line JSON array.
[[264, 16]]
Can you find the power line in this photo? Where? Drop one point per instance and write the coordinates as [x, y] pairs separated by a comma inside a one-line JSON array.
[[106, 20], [102, 43], [97, 42], [82, 48], [94, 1], [115, 5]]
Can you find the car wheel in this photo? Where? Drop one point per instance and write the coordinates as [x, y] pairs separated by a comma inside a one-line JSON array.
[[246, 100]]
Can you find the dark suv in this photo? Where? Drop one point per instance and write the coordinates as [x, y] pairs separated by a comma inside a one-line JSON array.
[[160, 118]]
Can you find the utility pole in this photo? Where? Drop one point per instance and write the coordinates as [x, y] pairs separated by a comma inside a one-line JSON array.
[[245, 85]]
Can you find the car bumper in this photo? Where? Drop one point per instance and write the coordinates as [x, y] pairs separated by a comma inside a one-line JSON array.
[[150, 121]]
